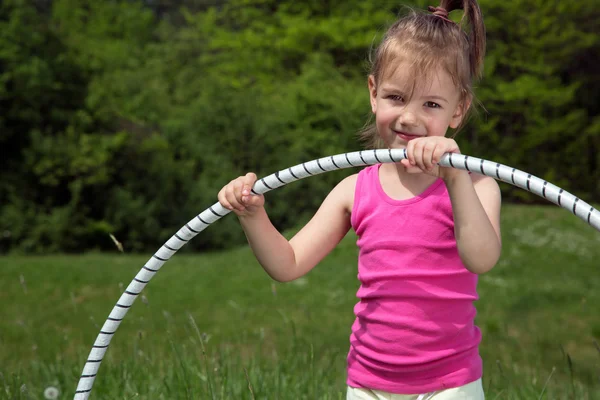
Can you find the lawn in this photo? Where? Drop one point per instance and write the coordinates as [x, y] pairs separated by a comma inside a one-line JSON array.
[[214, 326]]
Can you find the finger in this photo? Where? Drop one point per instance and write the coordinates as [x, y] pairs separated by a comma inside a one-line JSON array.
[[418, 154], [233, 194], [409, 168], [437, 155], [410, 148], [238, 187], [248, 182], [454, 147], [413, 170], [235, 203], [428, 150], [254, 200], [223, 200]]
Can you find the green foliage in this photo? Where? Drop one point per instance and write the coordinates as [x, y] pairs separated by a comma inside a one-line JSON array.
[[126, 118], [531, 92], [41, 88]]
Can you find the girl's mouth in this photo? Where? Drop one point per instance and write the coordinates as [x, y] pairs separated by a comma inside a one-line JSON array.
[[406, 136]]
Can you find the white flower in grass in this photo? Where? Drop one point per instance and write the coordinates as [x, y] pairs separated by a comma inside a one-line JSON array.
[[51, 393]]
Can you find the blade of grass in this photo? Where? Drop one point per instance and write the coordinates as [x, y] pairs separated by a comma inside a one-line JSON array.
[[249, 384], [546, 384], [209, 377], [570, 362], [186, 383]]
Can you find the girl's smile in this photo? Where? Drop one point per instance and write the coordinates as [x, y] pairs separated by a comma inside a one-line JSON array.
[[406, 136]]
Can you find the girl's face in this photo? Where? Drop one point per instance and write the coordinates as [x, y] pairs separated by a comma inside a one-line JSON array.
[[429, 110]]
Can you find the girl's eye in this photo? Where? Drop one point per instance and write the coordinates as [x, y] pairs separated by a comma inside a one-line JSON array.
[[431, 104], [395, 97]]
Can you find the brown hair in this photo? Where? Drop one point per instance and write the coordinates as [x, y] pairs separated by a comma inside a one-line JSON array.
[[428, 40]]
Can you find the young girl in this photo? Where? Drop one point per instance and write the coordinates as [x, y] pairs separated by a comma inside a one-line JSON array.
[[424, 232]]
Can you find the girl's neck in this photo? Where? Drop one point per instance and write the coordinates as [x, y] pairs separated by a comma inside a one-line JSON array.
[[400, 185]]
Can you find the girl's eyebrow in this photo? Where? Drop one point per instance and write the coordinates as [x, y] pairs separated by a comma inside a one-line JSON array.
[[434, 97], [391, 88]]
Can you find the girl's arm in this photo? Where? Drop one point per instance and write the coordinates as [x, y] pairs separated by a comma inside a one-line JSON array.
[[475, 202], [476, 207], [287, 260]]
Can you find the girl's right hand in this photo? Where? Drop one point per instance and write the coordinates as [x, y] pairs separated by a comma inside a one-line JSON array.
[[236, 196]]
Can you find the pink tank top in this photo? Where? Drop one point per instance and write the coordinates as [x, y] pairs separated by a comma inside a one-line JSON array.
[[414, 330]]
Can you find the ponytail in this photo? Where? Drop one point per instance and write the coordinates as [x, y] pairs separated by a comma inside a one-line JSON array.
[[475, 31]]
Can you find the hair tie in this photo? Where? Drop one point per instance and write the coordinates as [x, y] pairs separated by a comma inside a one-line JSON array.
[[440, 12]]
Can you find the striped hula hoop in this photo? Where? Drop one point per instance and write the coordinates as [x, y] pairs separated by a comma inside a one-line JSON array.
[[215, 212]]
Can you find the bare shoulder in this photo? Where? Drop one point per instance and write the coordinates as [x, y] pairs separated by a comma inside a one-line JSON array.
[[344, 192], [483, 182], [488, 191]]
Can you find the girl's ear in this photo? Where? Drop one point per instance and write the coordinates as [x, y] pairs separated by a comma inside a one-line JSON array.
[[459, 114], [373, 93]]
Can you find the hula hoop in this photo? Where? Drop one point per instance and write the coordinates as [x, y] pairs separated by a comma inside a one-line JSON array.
[[215, 212]]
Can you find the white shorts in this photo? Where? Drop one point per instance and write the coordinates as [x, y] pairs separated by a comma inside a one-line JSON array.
[[470, 391]]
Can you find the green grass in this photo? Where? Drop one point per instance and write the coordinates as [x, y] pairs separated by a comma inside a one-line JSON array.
[[539, 311]]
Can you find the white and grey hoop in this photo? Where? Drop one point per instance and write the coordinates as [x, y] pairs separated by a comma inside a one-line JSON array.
[[215, 212]]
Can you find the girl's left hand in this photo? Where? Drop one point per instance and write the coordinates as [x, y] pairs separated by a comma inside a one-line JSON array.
[[425, 153]]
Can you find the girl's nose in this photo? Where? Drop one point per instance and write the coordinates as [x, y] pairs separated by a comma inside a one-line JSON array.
[[407, 117]]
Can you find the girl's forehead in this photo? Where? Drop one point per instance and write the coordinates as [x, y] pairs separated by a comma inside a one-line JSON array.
[[411, 77]]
